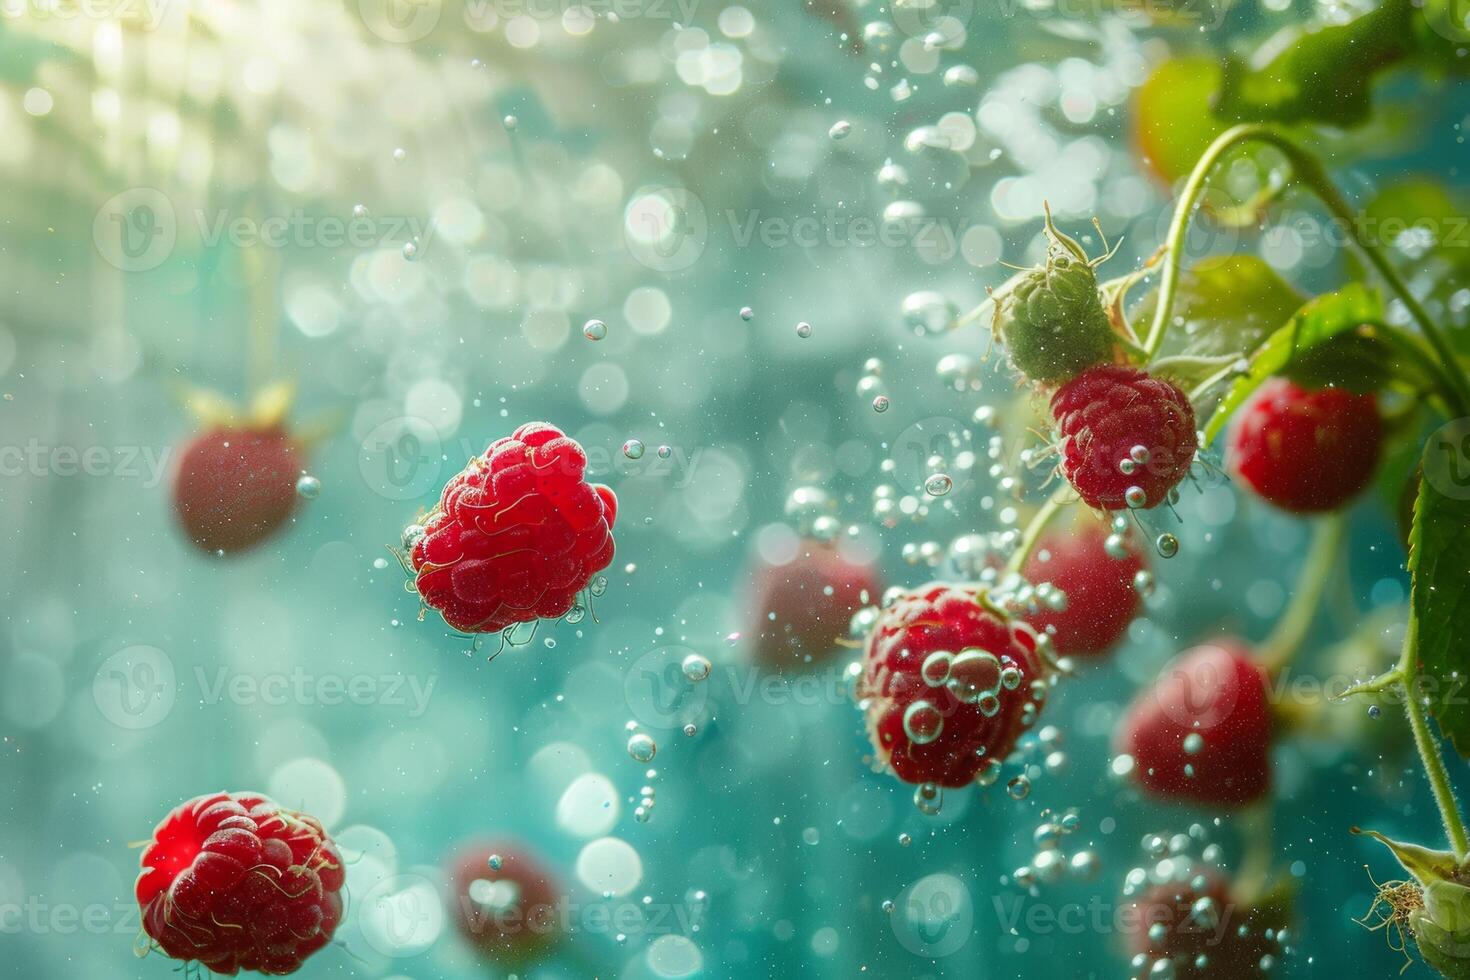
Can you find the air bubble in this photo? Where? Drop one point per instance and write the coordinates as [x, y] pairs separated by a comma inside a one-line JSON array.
[[803, 330], [308, 487], [1167, 545], [594, 330], [642, 747], [696, 668], [633, 449]]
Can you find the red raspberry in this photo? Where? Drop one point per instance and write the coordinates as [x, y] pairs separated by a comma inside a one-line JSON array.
[[1203, 731], [235, 882], [236, 485], [1127, 438], [505, 902], [813, 598], [516, 535], [949, 683], [1207, 931], [1306, 450], [1101, 598]]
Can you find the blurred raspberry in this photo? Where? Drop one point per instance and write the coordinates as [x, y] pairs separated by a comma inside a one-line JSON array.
[[1127, 438], [236, 485], [800, 610], [1101, 598], [1202, 733], [1201, 929], [516, 535], [235, 882], [949, 683], [1306, 450], [505, 902]]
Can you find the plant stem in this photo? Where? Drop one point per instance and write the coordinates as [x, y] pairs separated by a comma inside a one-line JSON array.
[[1039, 521], [1434, 770], [1311, 583], [1311, 173]]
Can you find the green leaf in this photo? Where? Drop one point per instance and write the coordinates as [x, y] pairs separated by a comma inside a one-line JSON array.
[[1439, 566], [1223, 306], [1188, 372], [1320, 320], [1323, 74]]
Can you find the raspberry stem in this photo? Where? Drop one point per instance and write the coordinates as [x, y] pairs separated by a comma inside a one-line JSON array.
[[1434, 770], [1291, 629], [1034, 529], [1310, 172]]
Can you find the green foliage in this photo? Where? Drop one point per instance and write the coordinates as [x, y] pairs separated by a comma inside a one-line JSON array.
[[1439, 563]]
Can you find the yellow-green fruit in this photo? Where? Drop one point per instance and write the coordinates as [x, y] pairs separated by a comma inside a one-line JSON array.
[[1052, 322]]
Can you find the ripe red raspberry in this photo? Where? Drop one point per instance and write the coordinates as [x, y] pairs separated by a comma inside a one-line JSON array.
[[235, 882], [505, 902], [1127, 438], [1306, 450], [813, 598], [949, 683], [1101, 598], [1202, 733], [1201, 928], [234, 486], [515, 535]]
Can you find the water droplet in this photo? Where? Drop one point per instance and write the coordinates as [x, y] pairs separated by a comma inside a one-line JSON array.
[[1167, 545], [938, 485], [594, 330], [922, 722], [495, 862], [696, 668], [380, 563], [803, 330], [642, 747], [880, 404], [633, 449], [309, 487], [840, 129], [747, 314], [1134, 497], [928, 313], [1018, 788]]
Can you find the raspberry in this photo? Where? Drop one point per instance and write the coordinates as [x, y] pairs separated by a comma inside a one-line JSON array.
[[949, 683], [515, 535], [1051, 319], [1306, 450], [1127, 438], [1101, 598], [236, 485], [1202, 733], [1197, 925], [800, 610], [505, 902], [235, 882]]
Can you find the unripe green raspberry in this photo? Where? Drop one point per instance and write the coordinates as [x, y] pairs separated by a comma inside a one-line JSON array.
[[1051, 319]]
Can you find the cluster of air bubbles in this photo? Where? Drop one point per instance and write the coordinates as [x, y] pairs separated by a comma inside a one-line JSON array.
[[1052, 862], [646, 799], [411, 536], [308, 487], [870, 385], [594, 329], [1180, 858], [926, 312], [814, 512], [960, 371], [979, 557], [927, 553]]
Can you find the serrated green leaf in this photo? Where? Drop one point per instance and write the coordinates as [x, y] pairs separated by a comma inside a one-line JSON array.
[[1322, 74], [1439, 569], [1320, 320]]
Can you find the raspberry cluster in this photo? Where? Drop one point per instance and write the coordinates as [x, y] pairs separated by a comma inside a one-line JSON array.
[[234, 882], [516, 535]]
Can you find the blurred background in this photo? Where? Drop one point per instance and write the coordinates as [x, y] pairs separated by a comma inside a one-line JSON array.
[[411, 211]]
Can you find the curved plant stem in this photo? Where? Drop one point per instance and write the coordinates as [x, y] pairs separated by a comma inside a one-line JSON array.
[[1039, 521], [1310, 172], [1311, 583], [1434, 770]]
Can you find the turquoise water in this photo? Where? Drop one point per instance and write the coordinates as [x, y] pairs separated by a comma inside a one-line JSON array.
[[414, 229]]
